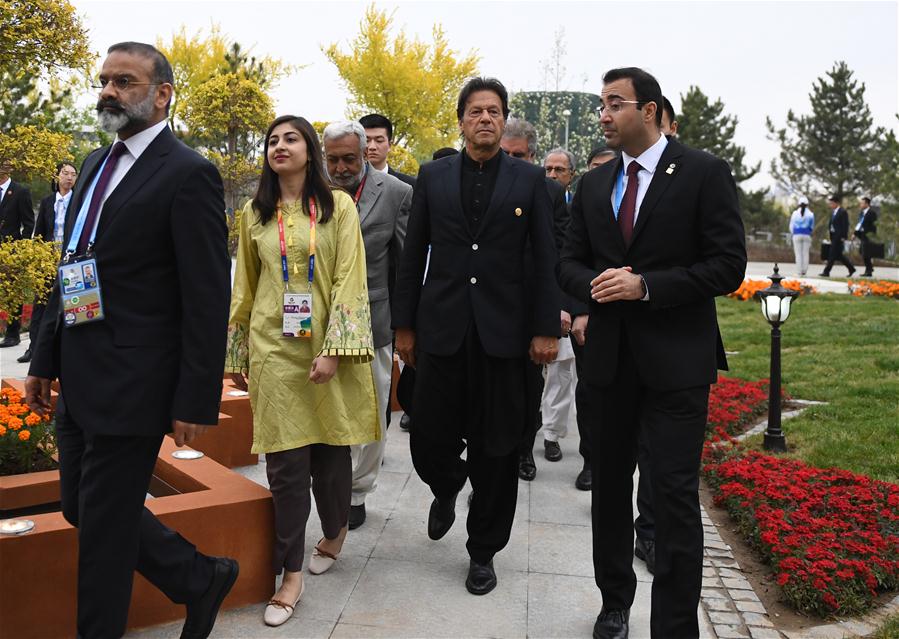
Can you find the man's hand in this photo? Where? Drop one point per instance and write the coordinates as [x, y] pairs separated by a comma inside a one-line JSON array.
[[565, 316], [405, 345], [544, 349], [37, 394], [185, 433], [579, 328], [615, 284], [240, 381], [323, 369]]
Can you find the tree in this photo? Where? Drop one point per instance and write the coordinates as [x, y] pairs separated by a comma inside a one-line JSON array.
[[33, 152], [413, 83], [829, 150], [702, 124], [42, 37]]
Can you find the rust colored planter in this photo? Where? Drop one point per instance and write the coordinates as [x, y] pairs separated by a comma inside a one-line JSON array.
[[229, 443], [219, 511]]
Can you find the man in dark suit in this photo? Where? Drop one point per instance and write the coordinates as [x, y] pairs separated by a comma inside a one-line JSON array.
[[153, 364], [379, 137], [49, 227], [839, 232], [16, 223], [655, 236], [864, 229], [470, 327]]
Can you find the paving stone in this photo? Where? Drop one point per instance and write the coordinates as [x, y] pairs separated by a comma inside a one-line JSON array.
[[730, 573], [725, 618], [560, 549], [718, 605], [730, 632], [757, 619], [564, 606], [710, 593], [719, 553], [737, 584], [764, 633], [723, 562], [717, 545], [706, 561], [711, 582], [750, 606], [709, 571], [743, 595]]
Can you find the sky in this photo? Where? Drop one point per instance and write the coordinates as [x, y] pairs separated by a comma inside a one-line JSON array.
[[760, 58]]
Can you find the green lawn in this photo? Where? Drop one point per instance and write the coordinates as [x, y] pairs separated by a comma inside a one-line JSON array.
[[835, 348]]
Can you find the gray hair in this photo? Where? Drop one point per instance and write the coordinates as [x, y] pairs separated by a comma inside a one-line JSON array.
[[568, 155], [517, 129], [338, 130]]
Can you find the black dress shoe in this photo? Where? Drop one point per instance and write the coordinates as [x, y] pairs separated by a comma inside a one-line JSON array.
[[645, 549], [551, 451], [868, 274], [442, 516], [852, 272], [611, 624], [527, 469], [405, 422], [481, 578], [357, 516], [825, 274], [24, 357], [584, 479], [10, 340], [201, 614]]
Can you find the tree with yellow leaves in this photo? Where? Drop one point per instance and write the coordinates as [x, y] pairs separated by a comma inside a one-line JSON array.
[[42, 36], [413, 83]]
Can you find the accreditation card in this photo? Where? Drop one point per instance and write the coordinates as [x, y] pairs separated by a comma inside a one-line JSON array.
[[297, 315], [79, 287]]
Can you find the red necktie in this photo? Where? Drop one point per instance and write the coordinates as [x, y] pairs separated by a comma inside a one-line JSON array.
[[629, 203], [99, 190]]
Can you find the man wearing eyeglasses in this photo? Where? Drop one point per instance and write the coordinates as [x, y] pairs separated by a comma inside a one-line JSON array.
[[559, 165], [145, 226], [655, 236], [469, 328]]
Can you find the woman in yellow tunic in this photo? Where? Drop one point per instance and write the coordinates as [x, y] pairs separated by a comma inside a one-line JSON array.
[[310, 381]]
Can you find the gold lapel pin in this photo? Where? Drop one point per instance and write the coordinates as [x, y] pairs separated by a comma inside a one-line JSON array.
[[517, 212], [670, 169]]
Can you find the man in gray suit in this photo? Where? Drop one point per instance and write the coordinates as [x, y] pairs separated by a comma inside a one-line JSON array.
[[383, 202]]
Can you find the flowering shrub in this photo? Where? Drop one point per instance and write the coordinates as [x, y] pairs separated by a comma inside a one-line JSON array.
[[27, 441], [882, 288], [831, 536], [749, 288]]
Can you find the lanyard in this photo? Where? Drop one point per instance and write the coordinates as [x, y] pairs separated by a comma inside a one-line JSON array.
[[283, 244], [619, 190], [82, 216], [361, 186]]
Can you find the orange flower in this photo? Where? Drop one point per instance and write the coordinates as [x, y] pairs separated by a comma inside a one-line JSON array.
[[24, 435], [2, 430], [32, 420], [14, 423]]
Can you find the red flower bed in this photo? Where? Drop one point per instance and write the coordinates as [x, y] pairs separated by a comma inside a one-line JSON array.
[[831, 536], [733, 403]]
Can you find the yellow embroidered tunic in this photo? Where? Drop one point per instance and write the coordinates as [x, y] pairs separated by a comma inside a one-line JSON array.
[[289, 411]]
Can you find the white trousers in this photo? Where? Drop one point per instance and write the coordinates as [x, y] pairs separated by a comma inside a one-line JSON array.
[[558, 393], [802, 244], [367, 458]]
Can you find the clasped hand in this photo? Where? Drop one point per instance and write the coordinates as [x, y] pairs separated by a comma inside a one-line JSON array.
[[616, 284]]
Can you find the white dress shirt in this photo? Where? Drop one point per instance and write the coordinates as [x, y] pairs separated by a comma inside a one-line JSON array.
[[59, 217], [4, 187], [384, 170], [648, 160], [136, 145]]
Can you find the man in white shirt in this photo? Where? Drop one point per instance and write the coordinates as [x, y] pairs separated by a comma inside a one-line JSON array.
[[379, 137]]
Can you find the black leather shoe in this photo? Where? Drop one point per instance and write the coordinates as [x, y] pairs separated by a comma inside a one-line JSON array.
[[645, 549], [357, 516], [10, 340], [584, 479], [527, 469], [201, 614], [405, 422], [611, 624], [24, 357], [824, 274], [868, 274], [852, 272], [551, 451], [442, 516], [481, 578]]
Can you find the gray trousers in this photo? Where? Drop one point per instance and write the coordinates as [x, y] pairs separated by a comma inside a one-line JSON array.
[[290, 473]]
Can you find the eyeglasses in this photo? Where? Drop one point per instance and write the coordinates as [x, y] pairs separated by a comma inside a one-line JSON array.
[[121, 83], [615, 106]]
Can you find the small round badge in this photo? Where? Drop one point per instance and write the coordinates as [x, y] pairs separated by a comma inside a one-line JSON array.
[[187, 454], [517, 212], [15, 526]]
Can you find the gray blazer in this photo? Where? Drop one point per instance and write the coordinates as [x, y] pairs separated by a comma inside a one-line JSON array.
[[384, 213]]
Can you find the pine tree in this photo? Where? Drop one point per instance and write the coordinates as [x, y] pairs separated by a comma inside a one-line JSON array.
[[829, 150]]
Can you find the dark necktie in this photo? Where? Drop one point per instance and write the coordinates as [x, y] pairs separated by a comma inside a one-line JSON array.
[[99, 191], [629, 203]]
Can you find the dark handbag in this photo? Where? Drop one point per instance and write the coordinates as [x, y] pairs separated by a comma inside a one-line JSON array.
[[825, 250], [873, 249]]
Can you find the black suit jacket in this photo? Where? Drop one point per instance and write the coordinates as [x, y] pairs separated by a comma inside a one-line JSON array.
[[164, 271], [46, 218], [869, 224], [408, 179], [16, 214], [478, 277], [839, 225], [688, 244]]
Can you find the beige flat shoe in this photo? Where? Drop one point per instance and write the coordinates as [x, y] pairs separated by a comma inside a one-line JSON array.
[[278, 612], [321, 560]]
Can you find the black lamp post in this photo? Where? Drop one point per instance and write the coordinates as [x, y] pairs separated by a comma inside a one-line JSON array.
[[776, 302]]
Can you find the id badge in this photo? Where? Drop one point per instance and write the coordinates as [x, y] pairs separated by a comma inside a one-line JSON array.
[[297, 315], [79, 285]]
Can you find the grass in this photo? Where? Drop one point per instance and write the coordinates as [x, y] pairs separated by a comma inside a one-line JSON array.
[[838, 349], [889, 630]]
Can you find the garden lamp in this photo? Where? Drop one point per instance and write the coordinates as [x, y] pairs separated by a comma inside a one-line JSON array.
[[776, 302]]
